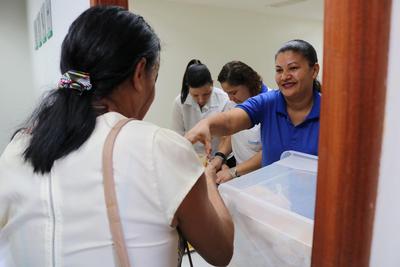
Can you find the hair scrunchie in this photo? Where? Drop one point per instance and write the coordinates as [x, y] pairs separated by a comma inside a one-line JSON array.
[[76, 80]]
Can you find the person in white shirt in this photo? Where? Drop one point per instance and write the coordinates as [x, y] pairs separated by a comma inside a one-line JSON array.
[[52, 198], [198, 100], [240, 82]]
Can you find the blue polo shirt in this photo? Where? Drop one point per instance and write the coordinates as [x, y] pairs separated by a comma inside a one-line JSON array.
[[264, 88], [278, 133]]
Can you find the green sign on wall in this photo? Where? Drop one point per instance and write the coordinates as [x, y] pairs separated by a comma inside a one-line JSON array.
[[43, 25]]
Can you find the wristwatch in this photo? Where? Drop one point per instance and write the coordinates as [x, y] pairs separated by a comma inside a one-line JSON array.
[[233, 172], [221, 155]]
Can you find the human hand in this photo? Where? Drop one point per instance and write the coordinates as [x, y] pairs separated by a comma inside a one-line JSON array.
[[200, 133], [211, 172], [224, 175], [217, 163]]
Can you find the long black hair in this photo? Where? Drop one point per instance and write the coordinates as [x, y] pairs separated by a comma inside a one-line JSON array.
[[238, 73], [307, 51], [107, 42], [196, 75]]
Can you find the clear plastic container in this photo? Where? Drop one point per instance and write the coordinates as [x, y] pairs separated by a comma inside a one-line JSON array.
[[273, 211]]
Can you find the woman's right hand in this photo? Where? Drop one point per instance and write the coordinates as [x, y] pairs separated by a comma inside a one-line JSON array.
[[217, 162], [211, 172], [224, 175], [200, 133]]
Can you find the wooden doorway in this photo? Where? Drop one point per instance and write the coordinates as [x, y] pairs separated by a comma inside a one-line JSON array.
[[356, 41], [123, 3]]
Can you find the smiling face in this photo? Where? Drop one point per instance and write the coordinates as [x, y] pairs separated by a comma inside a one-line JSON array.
[[236, 93], [294, 75], [201, 94]]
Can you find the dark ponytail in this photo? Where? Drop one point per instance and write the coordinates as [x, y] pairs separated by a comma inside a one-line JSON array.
[[58, 130], [185, 85], [106, 42], [307, 51], [196, 75]]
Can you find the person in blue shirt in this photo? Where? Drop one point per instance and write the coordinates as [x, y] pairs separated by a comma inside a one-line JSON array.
[[289, 117]]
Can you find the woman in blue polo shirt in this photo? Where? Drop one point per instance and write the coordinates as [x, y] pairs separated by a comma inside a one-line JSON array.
[[289, 117]]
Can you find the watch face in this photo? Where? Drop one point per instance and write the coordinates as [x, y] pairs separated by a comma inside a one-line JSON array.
[[233, 172]]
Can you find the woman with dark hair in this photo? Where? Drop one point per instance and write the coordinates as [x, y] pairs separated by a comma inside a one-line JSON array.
[[289, 117], [198, 100], [240, 82], [52, 196]]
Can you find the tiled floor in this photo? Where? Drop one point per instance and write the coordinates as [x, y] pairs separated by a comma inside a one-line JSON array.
[[197, 260]]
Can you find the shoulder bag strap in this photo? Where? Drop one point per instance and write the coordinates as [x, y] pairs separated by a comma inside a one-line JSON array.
[[110, 195]]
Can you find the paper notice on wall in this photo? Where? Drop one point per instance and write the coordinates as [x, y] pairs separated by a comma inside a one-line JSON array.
[[49, 22], [35, 32], [42, 13], [39, 30], [43, 25]]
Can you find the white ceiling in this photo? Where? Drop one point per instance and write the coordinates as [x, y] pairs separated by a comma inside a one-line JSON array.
[[310, 9]]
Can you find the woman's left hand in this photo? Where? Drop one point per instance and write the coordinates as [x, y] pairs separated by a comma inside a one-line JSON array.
[[224, 175], [211, 172], [217, 162]]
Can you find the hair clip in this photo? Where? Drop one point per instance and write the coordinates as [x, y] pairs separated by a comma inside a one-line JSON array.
[[76, 80]]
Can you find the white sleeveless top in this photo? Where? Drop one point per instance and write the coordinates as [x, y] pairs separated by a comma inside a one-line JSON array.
[[60, 219]]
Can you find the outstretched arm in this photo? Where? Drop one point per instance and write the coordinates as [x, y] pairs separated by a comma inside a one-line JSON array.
[[221, 124]]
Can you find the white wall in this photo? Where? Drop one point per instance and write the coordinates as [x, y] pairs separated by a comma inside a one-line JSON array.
[[46, 60], [216, 36], [386, 236], [16, 94], [25, 73]]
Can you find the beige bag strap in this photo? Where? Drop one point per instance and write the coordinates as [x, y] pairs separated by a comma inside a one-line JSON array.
[[110, 195]]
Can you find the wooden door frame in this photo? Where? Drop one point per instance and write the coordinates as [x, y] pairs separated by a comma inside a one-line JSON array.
[[356, 42], [123, 3]]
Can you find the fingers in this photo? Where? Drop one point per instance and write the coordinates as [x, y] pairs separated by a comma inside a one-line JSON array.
[[217, 162], [200, 133], [192, 138], [223, 175], [211, 173], [207, 147], [225, 167], [202, 138]]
